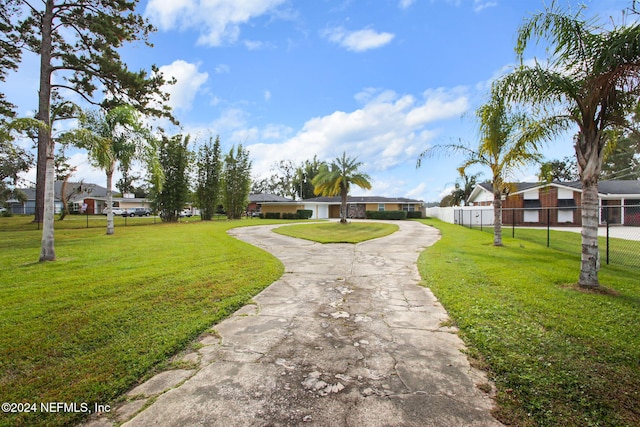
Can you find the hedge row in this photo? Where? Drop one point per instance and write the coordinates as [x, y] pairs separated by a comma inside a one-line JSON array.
[[385, 214], [300, 214]]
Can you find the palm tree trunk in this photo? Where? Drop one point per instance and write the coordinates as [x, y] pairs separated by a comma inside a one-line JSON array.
[[590, 259], [343, 207], [589, 156], [110, 228], [497, 219]]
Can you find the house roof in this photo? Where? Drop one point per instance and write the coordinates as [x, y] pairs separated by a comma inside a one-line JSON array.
[[266, 198], [362, 199], [619, 187], [76, 191], [612, 187]]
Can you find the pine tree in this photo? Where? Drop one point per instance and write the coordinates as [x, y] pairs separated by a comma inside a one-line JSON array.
[[237, 182], [175, 158], [209, 177], [78, 42]]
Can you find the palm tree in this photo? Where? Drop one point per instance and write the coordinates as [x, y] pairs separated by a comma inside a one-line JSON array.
[[591, 81], [463, 187], [336, 179], [111, 137], [508, 140]]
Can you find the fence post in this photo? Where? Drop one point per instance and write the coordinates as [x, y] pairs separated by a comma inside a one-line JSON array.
[[548, 226], [607, 240]]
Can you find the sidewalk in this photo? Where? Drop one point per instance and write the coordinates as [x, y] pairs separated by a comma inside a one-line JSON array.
[[345, 337]]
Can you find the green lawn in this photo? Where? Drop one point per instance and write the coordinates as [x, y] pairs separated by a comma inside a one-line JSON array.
[[334, 232], [112, 308], [559, 356], [621, 251]]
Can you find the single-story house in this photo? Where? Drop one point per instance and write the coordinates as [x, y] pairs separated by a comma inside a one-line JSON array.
[[256, 201], [529, 202], [81, 197], [329, 207]]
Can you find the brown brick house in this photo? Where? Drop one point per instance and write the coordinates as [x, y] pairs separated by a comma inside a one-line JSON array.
[[558, 203]]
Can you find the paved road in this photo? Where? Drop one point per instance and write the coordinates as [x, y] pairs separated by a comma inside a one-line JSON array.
[[345, 337]]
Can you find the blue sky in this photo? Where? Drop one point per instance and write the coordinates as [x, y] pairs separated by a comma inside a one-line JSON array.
[[382, 80]]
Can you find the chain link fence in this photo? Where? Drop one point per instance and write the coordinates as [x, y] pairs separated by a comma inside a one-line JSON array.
[[559, 228], [88, 219]]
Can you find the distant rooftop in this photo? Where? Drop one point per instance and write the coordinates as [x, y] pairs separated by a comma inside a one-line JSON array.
[[267, 197], [364, 199]]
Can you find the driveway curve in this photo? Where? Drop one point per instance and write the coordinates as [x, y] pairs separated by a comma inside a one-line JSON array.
[[346, 337]]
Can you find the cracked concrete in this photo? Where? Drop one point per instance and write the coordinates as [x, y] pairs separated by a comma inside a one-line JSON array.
[[346, 337]]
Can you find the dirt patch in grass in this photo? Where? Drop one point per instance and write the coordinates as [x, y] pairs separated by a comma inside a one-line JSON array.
[[601, 290]]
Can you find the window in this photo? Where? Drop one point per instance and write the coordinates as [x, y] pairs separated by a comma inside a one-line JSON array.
[[380, 207], [532, 209], [565, 210], [531, 216], [408, 207]]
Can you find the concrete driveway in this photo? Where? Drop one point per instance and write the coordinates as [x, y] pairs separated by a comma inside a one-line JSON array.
[[345, 337]]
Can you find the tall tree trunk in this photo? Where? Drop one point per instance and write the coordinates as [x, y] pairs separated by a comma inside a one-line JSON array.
[[343, 206], [110, 227], [44, 108], [497, 218], [590, 258], [47, 251], [589, 156], [46, 144]]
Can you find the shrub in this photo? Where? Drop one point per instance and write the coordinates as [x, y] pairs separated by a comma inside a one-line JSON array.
[[386, 215], [415, 214], [272, 215], [304, 213]]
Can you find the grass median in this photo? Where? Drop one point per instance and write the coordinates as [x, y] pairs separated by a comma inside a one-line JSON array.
[[558, 355], [88, 326], [334, 232]]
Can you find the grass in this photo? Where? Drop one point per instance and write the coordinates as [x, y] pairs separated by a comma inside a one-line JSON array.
[[112, 308], [558, 355], [621, 251], [334, 232]]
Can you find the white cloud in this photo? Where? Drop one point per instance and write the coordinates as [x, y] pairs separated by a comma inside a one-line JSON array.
[[387, 131], [446, 191], [406, 3], [267, 95], [219, 21], [417, 192], [480, 5], [358, 41], [254, 44], [439, 104], [222, 69], [188, 83]]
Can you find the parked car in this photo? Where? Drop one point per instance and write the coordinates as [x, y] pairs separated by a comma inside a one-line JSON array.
[[185, 212], [116, 211], [140, 212]]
